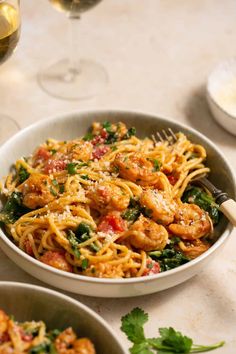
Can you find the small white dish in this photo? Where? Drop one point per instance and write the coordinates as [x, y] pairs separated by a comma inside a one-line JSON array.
[[221, 94]]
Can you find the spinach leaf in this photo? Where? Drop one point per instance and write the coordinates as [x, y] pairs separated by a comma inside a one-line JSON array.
[[23, 174], [131, 131], [169, 258], [13, 209], [196, 195]]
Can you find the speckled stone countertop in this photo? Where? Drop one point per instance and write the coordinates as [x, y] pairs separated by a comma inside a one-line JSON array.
[[158, 54]]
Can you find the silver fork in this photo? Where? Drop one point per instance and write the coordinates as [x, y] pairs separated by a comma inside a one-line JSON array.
[[226, 205]]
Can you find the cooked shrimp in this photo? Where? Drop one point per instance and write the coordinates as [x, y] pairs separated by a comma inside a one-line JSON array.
[[146, 235], [105, 196], [4, 319], [57, 260], [105, 270], [160, 204], [194, 248], [138, 169], [64, 340], [75, 150], [38, 191], [67, 343], [191, 222], [82, 346]]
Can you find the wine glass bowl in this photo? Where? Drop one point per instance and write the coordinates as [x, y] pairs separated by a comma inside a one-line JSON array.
[[9, 28], [77, 5], [73, 78], [9, 37]]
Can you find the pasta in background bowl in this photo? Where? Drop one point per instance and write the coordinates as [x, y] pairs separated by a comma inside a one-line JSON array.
[[68, 128], [35, 319]]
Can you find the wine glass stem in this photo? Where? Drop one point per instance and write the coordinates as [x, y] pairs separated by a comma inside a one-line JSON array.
[[74, 66]]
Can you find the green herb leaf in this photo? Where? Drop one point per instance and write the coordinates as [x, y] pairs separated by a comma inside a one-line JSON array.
[[43, 348], [85, 264], [89, 136], [23, 174], [72, 168], [132, 325], [82, 232], [53, 334], [53, 192], [130, 132], [170, 341], [85, 177], [73, 243], [169, 258], [53, 151], [156, 165], [107, 126], [13, 209], [54, 182]]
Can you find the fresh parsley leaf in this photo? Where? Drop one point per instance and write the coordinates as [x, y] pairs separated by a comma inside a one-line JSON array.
[[132, 325], [141, 348], [175, 340], [169, 342]]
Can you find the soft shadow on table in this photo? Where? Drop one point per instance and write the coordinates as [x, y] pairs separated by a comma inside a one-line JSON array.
[[162, 299], [199, 117]]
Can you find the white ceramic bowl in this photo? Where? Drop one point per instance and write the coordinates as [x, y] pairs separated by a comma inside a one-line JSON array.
[[28, 302], [75, 124], [221, 94]]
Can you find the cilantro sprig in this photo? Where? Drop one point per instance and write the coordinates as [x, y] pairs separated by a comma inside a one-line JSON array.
[[170, 341]]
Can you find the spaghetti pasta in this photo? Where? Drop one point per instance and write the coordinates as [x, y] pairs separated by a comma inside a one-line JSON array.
[[108, 204]]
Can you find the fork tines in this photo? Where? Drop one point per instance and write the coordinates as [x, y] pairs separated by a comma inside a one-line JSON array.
[[164, 135]]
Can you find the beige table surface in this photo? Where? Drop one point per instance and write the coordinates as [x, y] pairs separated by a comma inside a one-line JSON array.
[[158, 55]]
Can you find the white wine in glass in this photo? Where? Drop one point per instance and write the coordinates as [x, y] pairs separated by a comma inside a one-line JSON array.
[[9, 37], [73, 78], [81, 5]]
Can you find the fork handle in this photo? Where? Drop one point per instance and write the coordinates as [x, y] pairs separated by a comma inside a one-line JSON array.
[[228, 208]]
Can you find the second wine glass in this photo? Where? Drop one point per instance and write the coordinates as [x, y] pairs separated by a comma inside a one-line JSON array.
[[73, 78], [9, 37]]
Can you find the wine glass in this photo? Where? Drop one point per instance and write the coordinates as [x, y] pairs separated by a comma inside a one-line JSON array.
[[73, 78], [9, 37]]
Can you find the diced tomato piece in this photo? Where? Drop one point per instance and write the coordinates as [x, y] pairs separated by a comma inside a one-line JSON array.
[[26, 337], [4, 337], [57, 260], [54, 166], [152, 268], [172, 179], [99, 151], [98, 139], [104, 134], [112, 222], [42, 154]]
